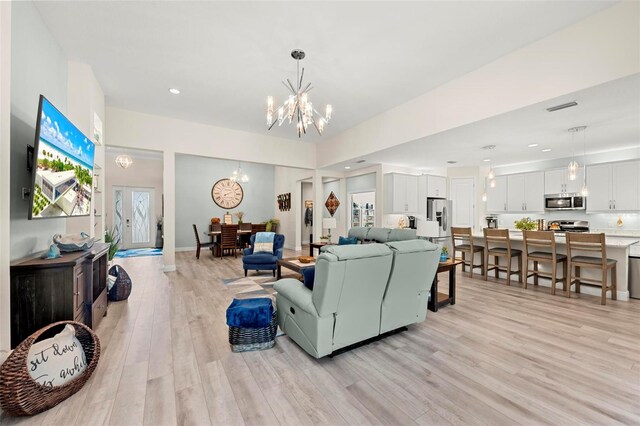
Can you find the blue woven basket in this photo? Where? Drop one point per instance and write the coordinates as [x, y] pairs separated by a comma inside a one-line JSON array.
[[254, 339]]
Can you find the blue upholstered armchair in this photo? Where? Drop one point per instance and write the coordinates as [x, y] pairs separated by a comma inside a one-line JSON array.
[[263, 261]]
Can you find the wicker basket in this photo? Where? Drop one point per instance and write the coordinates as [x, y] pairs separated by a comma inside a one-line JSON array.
[[254, 339], [122, 287], [20, 395]]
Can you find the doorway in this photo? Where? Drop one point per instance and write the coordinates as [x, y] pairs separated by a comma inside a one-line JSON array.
[[132, 216], [362, 209], [463, 195]]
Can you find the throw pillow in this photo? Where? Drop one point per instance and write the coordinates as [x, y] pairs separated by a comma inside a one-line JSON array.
[[58, 360], [347, 240], [264, 242], [309, 275]]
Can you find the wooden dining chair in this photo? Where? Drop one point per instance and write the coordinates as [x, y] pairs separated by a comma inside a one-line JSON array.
[[596, 243], [462, 241], [244, 238], [499, 238], [229, 239], [199, 244], [543, 244], [258, 227]]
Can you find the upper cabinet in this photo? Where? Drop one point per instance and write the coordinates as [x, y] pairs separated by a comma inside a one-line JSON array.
[[613, 187], [557, 181], [525, 192], [400, 194], [436, 186], [497, 196]]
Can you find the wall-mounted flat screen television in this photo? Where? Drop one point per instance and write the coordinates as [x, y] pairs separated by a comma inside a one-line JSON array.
[[63, 167]]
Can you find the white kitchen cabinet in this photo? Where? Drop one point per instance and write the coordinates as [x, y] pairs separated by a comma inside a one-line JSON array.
[[436, 186], [497, 196], [557, 181], [525, 192], [400, 194], [613, 187]]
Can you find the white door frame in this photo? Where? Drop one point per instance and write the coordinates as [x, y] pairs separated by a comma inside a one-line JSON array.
[[127, 216]]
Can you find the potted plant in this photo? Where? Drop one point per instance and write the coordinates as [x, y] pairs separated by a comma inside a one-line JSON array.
[[526, 224], [272, 224], [110, 238], [444, 254], [239, 215]]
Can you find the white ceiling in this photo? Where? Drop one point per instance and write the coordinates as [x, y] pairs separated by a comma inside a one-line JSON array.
[[227, 57], [610, 111]]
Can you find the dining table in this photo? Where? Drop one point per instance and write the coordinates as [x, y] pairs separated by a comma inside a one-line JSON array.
[[215, 235]]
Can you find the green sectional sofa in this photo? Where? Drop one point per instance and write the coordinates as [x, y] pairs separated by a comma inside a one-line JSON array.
[[360, 292]]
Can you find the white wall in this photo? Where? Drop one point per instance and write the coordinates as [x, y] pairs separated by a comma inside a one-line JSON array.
[[601, 48], [38, 66], [5, 175], [288, 179], [195, 176]]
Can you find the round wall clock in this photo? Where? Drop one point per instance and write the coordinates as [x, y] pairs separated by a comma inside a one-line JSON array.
[[227, 193]]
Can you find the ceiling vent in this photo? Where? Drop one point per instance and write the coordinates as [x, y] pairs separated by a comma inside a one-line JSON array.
[[360, 161], [563, 106]]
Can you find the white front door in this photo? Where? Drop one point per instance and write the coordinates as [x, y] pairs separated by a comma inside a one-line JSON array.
[[132, 219], [463, 195]]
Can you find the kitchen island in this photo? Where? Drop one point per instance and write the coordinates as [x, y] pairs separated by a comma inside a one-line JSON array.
[[617, 248]]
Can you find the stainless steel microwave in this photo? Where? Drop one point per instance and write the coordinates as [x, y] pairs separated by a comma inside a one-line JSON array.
[[564, 202]]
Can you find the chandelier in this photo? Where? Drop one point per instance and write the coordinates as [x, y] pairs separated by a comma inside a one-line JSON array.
[[124, 161], [238, 176], [298, 104]]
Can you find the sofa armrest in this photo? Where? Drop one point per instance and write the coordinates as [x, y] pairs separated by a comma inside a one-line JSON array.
[[248, 251], [297, 294], [279, 253]]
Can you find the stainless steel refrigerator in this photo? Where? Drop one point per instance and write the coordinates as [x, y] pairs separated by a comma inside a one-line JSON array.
[[439, 210]]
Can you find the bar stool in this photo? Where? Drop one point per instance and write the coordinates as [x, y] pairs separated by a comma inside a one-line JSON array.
[[593, 243], [544, 240], [500, 237], [466, 247]]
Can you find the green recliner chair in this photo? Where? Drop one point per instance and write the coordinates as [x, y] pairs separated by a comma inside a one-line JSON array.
[[415, 263], [344, 306]]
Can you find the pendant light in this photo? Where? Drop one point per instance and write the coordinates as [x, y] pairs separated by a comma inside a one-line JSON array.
[[573, 165]]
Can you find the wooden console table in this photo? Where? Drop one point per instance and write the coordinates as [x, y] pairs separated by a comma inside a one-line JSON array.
[[439, 300], [317, 246], [71, 287]]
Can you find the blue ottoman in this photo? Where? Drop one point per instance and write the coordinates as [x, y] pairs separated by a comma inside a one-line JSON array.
[[252, 324]]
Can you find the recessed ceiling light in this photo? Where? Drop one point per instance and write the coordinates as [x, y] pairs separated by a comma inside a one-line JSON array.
[[451, 162], [347, 167], [486, 160], [546, 150], [532, 145], [174, 91]]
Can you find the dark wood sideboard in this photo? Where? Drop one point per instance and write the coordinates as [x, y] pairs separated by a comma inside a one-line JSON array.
[[72, 287]]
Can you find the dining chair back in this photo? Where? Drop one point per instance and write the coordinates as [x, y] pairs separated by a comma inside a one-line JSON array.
[[540, 247], [199, 244], [498, 244], [258, 227], [462, 241], [229, 239], [595, 243]]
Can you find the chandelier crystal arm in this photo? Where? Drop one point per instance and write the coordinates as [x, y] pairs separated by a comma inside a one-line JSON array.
[[300, 80], [290, 87]]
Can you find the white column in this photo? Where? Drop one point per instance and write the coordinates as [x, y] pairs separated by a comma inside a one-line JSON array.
[[318, 205], [379, 209], [343, 226], [169, 185], [5, 150], [298, 207]]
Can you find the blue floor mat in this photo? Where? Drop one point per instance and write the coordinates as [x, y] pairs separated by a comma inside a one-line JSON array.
[[120, 254]]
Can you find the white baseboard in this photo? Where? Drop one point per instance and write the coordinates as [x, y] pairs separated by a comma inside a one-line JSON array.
[[185, 249]]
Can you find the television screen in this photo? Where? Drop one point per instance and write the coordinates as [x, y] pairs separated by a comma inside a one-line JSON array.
[[63, 166]]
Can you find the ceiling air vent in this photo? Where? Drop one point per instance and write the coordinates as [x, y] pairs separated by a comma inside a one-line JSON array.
[[360, 161], [563, 106]]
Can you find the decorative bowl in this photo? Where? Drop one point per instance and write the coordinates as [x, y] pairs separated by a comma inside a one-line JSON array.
[[305, 259], [73, 242]]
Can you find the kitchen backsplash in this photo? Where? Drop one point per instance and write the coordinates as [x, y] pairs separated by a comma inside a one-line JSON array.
[[604, 222]]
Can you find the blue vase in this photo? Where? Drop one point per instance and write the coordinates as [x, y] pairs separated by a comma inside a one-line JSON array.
[[443, 257]]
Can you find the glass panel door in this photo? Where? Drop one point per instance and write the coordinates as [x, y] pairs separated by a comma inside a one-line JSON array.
[[140, 224]]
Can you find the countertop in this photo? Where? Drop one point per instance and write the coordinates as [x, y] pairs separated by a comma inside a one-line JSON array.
[[611, 240]]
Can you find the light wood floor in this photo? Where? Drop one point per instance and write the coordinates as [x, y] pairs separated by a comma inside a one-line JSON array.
[[501, 355]]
